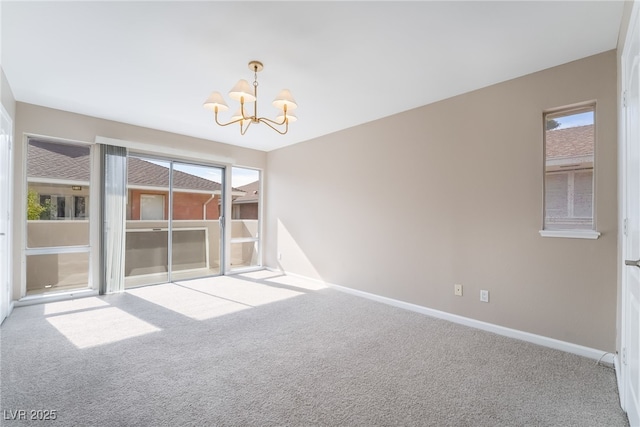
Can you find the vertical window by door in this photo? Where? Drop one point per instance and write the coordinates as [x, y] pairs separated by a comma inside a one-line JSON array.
[[569, 141], [245, 212], [58, 249]]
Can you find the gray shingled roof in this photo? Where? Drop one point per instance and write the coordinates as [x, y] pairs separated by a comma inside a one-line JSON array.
[[71, 162], [148, 174], [58, 161], [251, 191], [570, 142]]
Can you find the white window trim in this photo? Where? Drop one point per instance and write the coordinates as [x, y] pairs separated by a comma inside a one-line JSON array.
[[571, 234]]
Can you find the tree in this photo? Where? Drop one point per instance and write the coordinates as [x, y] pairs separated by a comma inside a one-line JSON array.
[[552, 124], [34, 208]]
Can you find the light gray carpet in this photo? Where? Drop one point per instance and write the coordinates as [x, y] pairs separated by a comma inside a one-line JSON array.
[[264, 352]]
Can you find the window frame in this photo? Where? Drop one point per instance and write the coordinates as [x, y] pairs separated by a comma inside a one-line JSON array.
[[578, 233], [256, 241], [27, 251]]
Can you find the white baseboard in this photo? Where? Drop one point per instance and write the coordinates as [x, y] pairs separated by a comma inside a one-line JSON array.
[[592, 353]]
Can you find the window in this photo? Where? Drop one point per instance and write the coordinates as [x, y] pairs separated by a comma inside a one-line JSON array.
[[58, 250], [58, 207], [245, 214], [569, 141], [151, 207]]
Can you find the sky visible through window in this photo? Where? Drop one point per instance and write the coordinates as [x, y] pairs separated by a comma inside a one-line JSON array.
[[574, 120]]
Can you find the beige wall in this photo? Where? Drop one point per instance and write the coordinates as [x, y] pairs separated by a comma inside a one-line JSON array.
[[409, 205], [37, 120]]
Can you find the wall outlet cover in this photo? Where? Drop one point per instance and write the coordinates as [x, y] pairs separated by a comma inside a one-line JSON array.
[[484, 296]]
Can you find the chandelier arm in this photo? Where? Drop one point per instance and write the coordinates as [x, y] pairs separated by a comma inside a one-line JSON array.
[[227, 124], [284, 119], [244, 116], [242, 132], [266, 122]]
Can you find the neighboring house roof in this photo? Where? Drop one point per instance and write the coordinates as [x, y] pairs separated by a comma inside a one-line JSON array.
[[58, 161], [570, 142], [251, 193], [143, 173], [71, 163]]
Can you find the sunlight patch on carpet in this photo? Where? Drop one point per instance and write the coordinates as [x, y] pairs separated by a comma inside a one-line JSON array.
[[239, 290], [101, 326], [194, 304], [73, 305], [277, 277], [259, 275], [298, 282]]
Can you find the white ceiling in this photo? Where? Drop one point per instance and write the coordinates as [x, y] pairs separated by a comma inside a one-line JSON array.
[[154, 63]]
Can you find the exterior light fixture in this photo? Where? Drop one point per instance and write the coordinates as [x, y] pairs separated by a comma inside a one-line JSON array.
[[243, 92]]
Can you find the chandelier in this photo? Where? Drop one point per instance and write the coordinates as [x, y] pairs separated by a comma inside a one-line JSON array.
[[243, 93]]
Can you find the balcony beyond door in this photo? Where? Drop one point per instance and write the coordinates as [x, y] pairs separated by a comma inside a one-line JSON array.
[[173, 228]]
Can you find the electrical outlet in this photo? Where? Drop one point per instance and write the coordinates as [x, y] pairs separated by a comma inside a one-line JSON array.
[[484, 296], [457, 290], [279, 255]]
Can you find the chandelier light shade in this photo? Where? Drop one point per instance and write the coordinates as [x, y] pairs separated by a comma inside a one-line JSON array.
[[244, 93], [216, 102], [290, 117]]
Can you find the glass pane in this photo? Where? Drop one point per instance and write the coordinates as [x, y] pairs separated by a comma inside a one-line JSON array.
[[569, 162], [583, 194], [57, 194], [245, 214], [43, 234], [556, 186], [195, 248], [57, 272], [245, 195], [244, 254], [146, 250], [244, 228]]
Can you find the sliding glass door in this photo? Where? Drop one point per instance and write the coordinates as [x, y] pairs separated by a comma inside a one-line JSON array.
[[195, 221], [173, 229], [146, 258]]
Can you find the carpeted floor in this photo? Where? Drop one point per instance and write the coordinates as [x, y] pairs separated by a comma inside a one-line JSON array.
[[276, 351]]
